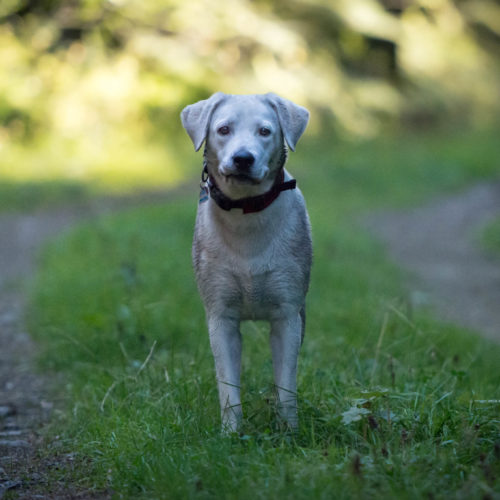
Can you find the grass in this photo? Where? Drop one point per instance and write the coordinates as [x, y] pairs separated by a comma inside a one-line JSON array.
[[33, 195], [490, 237], [37, 175], [393, 404]]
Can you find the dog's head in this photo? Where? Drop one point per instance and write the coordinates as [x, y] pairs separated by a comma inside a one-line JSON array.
[[244, 135]]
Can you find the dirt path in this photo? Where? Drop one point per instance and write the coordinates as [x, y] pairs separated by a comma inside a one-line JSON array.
[[24, 403], [439, 245]]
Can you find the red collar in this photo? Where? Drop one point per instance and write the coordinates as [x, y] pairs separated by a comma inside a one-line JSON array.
[[251, 204]]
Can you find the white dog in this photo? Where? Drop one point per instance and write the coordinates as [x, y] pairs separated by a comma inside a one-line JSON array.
[[252, 243]]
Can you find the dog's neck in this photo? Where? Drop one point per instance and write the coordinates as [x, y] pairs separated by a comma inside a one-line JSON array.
[[251, 204]]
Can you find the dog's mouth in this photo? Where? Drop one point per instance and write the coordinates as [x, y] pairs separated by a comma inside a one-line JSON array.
[[241, 178]]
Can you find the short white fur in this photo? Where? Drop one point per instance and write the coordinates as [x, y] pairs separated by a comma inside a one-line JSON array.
[[251, 266]]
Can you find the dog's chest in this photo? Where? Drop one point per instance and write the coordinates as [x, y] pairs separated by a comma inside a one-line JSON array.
[[258, 292], [255, 289], [254, 285], [252, 267]]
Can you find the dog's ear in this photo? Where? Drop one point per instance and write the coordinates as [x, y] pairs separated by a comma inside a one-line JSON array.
[[292, 117], [196, 118]]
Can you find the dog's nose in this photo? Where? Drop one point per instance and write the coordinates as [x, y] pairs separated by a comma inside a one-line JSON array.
[[243, 160]]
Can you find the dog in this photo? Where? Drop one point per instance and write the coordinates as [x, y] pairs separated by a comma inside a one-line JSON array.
[[252, 247]]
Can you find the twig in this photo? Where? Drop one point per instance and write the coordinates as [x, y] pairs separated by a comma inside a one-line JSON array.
[[147, 359], [108, 392]]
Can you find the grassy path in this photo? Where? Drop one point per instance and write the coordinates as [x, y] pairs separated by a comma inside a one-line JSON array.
[[27, 467], [24, 403], [393, 403]]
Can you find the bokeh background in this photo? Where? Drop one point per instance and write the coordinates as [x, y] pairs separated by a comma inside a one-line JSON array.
[[90, 90]]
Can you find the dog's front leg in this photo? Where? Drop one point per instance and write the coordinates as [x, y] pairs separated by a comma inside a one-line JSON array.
[[285, 346], [225, 340]]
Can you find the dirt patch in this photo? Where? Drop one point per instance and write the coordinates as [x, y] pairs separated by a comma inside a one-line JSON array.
[[27, 469], [439, 245]]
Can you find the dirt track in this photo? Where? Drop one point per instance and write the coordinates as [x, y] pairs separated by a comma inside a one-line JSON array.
[[24, 406], [439, 244], [24, 403]]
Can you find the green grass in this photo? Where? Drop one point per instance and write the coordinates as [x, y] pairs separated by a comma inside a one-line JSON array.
[[40, 175], [29, 196], [390, 399], [491, 237]]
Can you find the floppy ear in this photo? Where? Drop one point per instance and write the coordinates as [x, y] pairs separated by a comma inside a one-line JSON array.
[[196, 117], [292, 117]]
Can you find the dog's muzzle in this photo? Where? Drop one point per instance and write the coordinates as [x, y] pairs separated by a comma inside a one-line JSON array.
[[243, 160]]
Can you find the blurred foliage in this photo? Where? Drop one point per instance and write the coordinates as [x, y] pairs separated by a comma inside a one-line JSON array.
[[92, 89]]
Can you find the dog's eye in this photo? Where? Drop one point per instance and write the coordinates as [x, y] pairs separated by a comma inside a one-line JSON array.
[[264, 131], [224, 130]]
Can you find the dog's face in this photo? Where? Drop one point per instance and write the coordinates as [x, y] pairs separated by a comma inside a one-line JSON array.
[[244, 136], [245, 141]]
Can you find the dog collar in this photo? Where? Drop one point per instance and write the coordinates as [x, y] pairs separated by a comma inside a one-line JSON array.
[[250, 204]]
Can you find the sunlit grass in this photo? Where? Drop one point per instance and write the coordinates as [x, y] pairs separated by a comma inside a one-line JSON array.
[[43, 174], [118, 165]]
